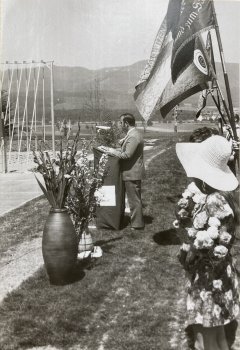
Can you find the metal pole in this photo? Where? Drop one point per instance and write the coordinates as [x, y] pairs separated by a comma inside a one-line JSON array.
[[26, 101], [231, 119], [52, 109], [3, 144], [43, 106]]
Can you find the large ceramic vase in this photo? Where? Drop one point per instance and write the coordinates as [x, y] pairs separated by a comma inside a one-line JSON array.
[[59, 247]]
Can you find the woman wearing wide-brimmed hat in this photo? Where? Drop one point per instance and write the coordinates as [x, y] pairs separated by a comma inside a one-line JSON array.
[[210, 216]]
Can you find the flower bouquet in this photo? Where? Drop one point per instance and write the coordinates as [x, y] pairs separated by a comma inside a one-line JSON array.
[[205, 252], [207, 217], [57, 172], [83, 200], [206, 241]]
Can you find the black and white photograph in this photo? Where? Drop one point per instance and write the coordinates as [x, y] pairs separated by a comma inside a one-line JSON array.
[[119, 175]]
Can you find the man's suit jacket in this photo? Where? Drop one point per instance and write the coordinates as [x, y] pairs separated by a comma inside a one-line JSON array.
[[131, 155]]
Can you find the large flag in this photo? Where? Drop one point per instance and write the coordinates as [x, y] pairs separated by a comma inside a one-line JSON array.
[[156, 90], [186, 20]]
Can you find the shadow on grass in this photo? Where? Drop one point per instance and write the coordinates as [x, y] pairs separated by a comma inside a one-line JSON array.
[[148, 219], [77, 273], [105, 245], [167, 237], [173, 199]]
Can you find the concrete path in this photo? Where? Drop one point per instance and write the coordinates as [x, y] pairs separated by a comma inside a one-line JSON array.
[[17, 189], [18, 264]]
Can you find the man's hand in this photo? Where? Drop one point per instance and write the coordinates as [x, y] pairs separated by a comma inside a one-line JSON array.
[[109, 150]]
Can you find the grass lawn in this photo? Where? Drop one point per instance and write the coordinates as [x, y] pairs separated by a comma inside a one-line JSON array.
[[23, 223], [131, 298]]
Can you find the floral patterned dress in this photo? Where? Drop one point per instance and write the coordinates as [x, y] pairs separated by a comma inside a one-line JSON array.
[[212, 289]]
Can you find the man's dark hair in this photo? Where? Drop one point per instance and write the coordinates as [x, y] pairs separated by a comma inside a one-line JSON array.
[[129, 118], [202, 134]]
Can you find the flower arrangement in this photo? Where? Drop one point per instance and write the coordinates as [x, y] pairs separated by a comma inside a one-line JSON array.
[[82, 200], [207, 239], [205, 252], [57, 171]]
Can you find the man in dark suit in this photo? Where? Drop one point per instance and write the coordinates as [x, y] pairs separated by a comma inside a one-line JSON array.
[[132, 167]]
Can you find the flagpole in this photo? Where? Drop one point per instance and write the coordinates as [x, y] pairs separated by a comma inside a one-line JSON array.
[[217, 103], [231, 116]]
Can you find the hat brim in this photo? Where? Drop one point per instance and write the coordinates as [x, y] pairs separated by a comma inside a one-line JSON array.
[[195, 166]]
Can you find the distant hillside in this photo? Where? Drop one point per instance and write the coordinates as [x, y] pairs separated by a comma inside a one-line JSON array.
[[117, 84], [77, 89]]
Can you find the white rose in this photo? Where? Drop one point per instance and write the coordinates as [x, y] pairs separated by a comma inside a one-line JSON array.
[[190, 303], [214, 222], [235, 310], [187, 194], [217, 311], [183, 203], [213, 232], [229, 271], [200, 220], [185, 247], [199, 318], [203, 240], [217, 284], [204, 295], [193, 188], [183, 213], [225, 238], [67, 176], [220, 251], [228, 295], [191, 232], [228, 210], [176, 224], [199, 198], [196, 277]]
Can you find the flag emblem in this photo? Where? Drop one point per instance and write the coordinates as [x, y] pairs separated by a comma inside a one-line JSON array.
[[200, 62]]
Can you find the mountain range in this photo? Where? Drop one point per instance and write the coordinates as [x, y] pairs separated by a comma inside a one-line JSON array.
[[116, 86], [77, 90]]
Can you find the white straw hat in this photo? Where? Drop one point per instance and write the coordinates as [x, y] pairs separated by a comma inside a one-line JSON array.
[[207, 161]]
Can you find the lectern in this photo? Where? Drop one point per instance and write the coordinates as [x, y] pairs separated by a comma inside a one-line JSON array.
[[110, 212]]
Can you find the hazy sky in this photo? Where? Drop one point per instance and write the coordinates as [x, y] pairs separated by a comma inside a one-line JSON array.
[[96, 33]]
